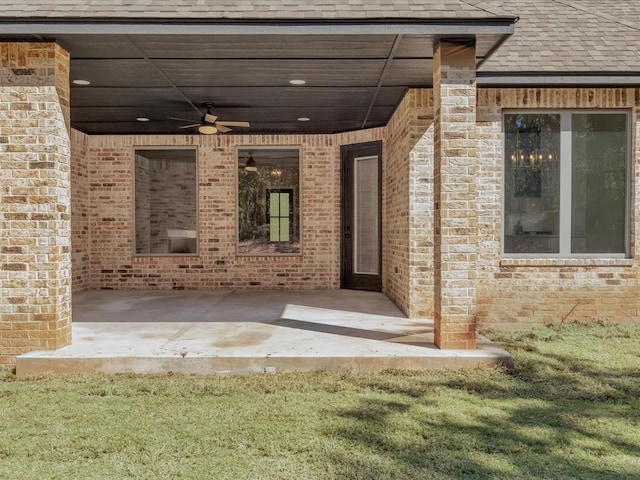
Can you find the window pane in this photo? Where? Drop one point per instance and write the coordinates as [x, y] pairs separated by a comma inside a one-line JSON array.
[[274, 231], [284, 204], [274, 204], [532, 183], [284, 229], [165, 202], [268, 201], [367, 223], [599, 183]]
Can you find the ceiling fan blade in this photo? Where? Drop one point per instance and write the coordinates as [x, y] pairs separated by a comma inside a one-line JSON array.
[[210, 117], [222, 128], [191, 126], [233, 124], [181, 119]]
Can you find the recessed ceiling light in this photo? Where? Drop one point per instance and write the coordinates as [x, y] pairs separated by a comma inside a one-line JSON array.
[[81, 82], [304, 119], [142, 119], [297, 82]]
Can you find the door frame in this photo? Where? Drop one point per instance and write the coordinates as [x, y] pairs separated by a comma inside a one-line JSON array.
[[347, 153]]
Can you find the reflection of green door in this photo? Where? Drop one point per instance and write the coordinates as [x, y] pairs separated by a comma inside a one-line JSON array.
[[279, 208]]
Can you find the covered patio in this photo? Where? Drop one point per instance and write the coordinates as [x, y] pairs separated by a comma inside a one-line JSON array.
[[224, 149], [224, 332]]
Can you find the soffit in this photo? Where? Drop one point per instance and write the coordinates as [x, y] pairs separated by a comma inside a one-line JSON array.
[[160, 59], [352, 81]]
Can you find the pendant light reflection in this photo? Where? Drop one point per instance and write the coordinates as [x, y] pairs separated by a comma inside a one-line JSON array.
[[276, 172], [251, 165]]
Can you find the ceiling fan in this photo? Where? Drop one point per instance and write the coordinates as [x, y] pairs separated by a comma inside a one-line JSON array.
[[209, 123]]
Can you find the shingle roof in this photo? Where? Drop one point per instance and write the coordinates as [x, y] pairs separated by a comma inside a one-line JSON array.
[[551, 36], [242, 9], [568, 36]]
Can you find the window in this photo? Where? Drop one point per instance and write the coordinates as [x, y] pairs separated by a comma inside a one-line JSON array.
[[166, 220], [268, 201], [279, 206], [566, 183]]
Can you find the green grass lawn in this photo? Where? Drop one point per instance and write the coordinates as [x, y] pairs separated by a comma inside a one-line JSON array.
[[569, 409]]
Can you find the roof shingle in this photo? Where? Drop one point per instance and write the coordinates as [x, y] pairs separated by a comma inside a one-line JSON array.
[[242, 9], [568, 36], [552, 35]]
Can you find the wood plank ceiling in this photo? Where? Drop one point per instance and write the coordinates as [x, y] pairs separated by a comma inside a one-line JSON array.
[[352, 81]]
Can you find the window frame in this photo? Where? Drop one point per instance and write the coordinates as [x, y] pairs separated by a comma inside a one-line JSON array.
[[297, 191], [194, 149], [566, 147]]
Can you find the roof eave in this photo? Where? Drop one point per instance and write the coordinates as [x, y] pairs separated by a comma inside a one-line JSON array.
[[168, 26], [557, 79]]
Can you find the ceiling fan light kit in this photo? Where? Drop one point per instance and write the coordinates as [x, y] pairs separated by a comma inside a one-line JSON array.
[[207, 129], [209, 124]]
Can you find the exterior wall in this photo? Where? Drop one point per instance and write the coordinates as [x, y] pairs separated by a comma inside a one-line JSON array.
[[35, 255], [79, 212], [518, 292], [509, 291], [407, 259], [113, 264]]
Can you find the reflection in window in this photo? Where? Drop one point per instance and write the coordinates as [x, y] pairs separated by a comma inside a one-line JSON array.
[[599, 183], [165, 201], [279, 206], [268, 201], [566, 193], [532, 183]]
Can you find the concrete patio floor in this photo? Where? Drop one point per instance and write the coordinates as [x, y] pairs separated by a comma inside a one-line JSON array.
[[224, 332]]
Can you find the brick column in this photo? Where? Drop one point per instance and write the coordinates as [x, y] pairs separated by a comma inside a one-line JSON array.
[[35, 259], [455, 169]]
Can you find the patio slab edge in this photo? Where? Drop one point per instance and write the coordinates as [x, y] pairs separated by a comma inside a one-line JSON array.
[[39, 363]]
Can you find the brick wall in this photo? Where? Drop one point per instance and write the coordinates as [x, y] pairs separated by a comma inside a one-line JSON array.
[[517, 292], [509, 291], [113, 264], [407, 261], [79, 211], [395, 204], [421, 204], [35, 255]]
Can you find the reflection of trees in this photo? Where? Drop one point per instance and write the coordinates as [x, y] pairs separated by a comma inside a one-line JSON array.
[[252, 201], [599, 180]]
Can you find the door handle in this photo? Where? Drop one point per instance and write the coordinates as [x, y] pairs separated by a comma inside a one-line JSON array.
[[347, 235]]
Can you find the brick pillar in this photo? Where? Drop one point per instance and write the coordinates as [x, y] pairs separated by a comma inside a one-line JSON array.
[[455, 169], [35, 258]]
